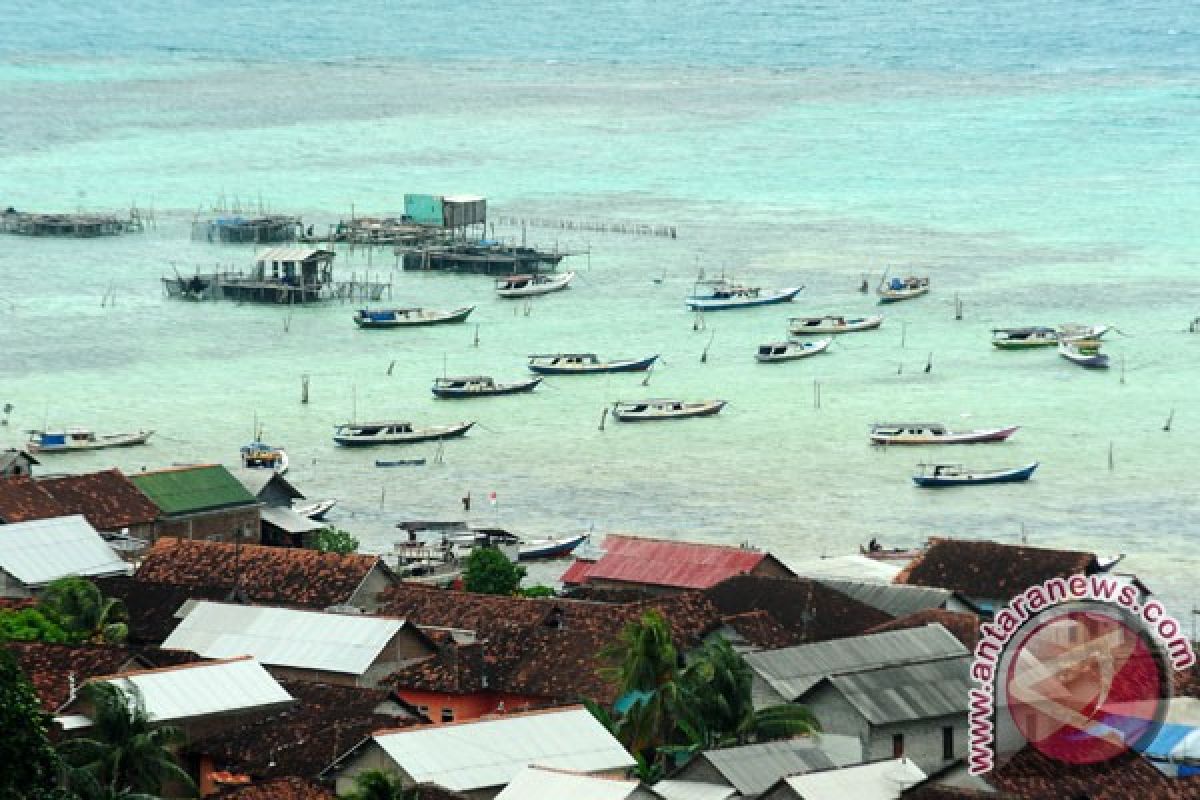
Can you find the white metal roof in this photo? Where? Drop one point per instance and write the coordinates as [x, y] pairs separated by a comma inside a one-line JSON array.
[[477, 755], [847, 568], [539, 783], [693, 790], [203, 689], [284, 637], [287, 520], [879, 780], [40, 551], [287, 254]]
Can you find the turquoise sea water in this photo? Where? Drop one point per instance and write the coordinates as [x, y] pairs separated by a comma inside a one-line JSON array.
[[1039, 162]]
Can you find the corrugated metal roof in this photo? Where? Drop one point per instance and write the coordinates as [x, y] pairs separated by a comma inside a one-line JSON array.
[[40, 551], [896, 599], [288, 253], [284, 637], [792, 671], [879, 780], [476, 755], [692, 790], [538, 783], [753, 768], [909, 692], [182, 490], [288, 520], [197, 690], [661, 562], [847, 568]]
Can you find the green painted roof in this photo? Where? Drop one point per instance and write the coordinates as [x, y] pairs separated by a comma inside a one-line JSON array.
[[185, 490]]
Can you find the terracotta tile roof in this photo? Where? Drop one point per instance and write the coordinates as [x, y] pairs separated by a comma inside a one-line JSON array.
[[808, 610], [456, 669], [964, 625], [106, 499], [23, 499], [290, 788], [302, 740], [50, 667], [151, 606], [662, 562], [1029, 774], [760, 629], [989, 569], [270, 575]]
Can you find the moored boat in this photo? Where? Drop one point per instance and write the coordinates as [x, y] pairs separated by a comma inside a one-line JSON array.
[[1024, 338], [654, 410], [939, 475], [401, 462], [480, 386], [585, 364], [315, 511], [363, 434], [790, 350], [1073, 330], [1084, 352], [257, 455], [902, 289], [832, 323], [530, 285], [407, 317], [552, 547], [889, 553], [721, 295], [72, 439], [934, 433]]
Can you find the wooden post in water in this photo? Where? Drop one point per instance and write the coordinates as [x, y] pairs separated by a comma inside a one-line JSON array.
[[476, 342], [903, 333], [957, 307], [304, 389], [603, 416], [1110, 456], [1170, 419]]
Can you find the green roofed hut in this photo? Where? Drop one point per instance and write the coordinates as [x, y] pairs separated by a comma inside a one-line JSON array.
[[201, 502]]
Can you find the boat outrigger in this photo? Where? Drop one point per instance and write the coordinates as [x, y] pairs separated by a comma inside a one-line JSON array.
[[832, 323], [940, 475], [722, 295], [585, 364], [72, 439], [654, 410], [408, 317], [480, 386], [902, 289], [934, 433], [790, 350], [363, 434], [530, 285]]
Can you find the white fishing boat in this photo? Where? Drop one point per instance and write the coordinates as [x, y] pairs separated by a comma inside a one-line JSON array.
[[480, 386], [1024, 338], [372, 319], [257, 455], [1073, 330], [315, 511], [1084, 352], [721, 294], [897, 289], [530, 285], [72, 439], [364, 434], [934, 433], [833, 323], [790, 350], [550, 547], [655, 410], [586, 364]]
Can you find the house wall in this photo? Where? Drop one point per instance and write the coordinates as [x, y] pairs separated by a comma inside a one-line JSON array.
[[781, 792], [366, 596], [837, 715], [218, 526], [466, 706], [11, 587], [370, 756], [700, 770]]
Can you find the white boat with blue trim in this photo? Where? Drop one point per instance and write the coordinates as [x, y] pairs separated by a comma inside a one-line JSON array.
[[721, 294], [792, 349]]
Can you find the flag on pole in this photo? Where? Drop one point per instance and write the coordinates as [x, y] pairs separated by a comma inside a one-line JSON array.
[[492, 498]]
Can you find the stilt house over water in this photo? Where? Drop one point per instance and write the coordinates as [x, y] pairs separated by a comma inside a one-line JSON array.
[[281, 275], [26, 223]]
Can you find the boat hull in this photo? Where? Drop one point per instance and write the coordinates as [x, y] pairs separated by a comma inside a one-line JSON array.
[[402, 462], [895, 296], [101, 443], [315, 511], [706, 410], [794, 353], [726, 304], [555, 285], [963, 437], [1016, 475], [550, 548], [428, 435], [449, 393], [593, 369], [369, 324], [851, 326]]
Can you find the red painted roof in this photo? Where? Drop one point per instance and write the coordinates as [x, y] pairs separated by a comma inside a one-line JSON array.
[[658, 562]]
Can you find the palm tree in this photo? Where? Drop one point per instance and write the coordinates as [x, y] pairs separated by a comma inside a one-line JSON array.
[[125, 755], [376, 784], [82, 608]]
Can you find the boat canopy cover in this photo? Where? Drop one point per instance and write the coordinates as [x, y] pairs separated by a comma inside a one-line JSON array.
[[896, 283]]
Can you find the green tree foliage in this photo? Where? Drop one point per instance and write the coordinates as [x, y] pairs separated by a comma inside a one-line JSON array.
[[336, 540], [28, 764], [123, 756], [84, 610], [32, 625], [538, 591], [376, 784], [489, 571]]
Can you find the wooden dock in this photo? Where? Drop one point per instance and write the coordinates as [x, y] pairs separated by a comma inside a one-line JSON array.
[[24, 223], [236, 229]]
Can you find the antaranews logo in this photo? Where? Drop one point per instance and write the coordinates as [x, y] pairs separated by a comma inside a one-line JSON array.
[[1079, 668]]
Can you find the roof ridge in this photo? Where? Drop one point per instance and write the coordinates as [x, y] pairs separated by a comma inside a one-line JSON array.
[[487, 718], [173, 668]]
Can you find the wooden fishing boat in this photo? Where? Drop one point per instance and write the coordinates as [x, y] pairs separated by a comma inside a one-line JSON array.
[[315, 511], [257, 455], [902, 289], [401, 462], [940, 475], [1024, 338], [807, 326], [372, 319], [790, 350], [934, 433], [655, 410], [1084, 352], [531, 549], [890, 553], [722, 295], [530, 285], [480, 386], [1073, 330], [585, 364], [365, 434], [73, 439]]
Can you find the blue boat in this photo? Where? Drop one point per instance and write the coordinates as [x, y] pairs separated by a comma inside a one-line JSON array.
[[723, 295], [585, 364], [935, 476]]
